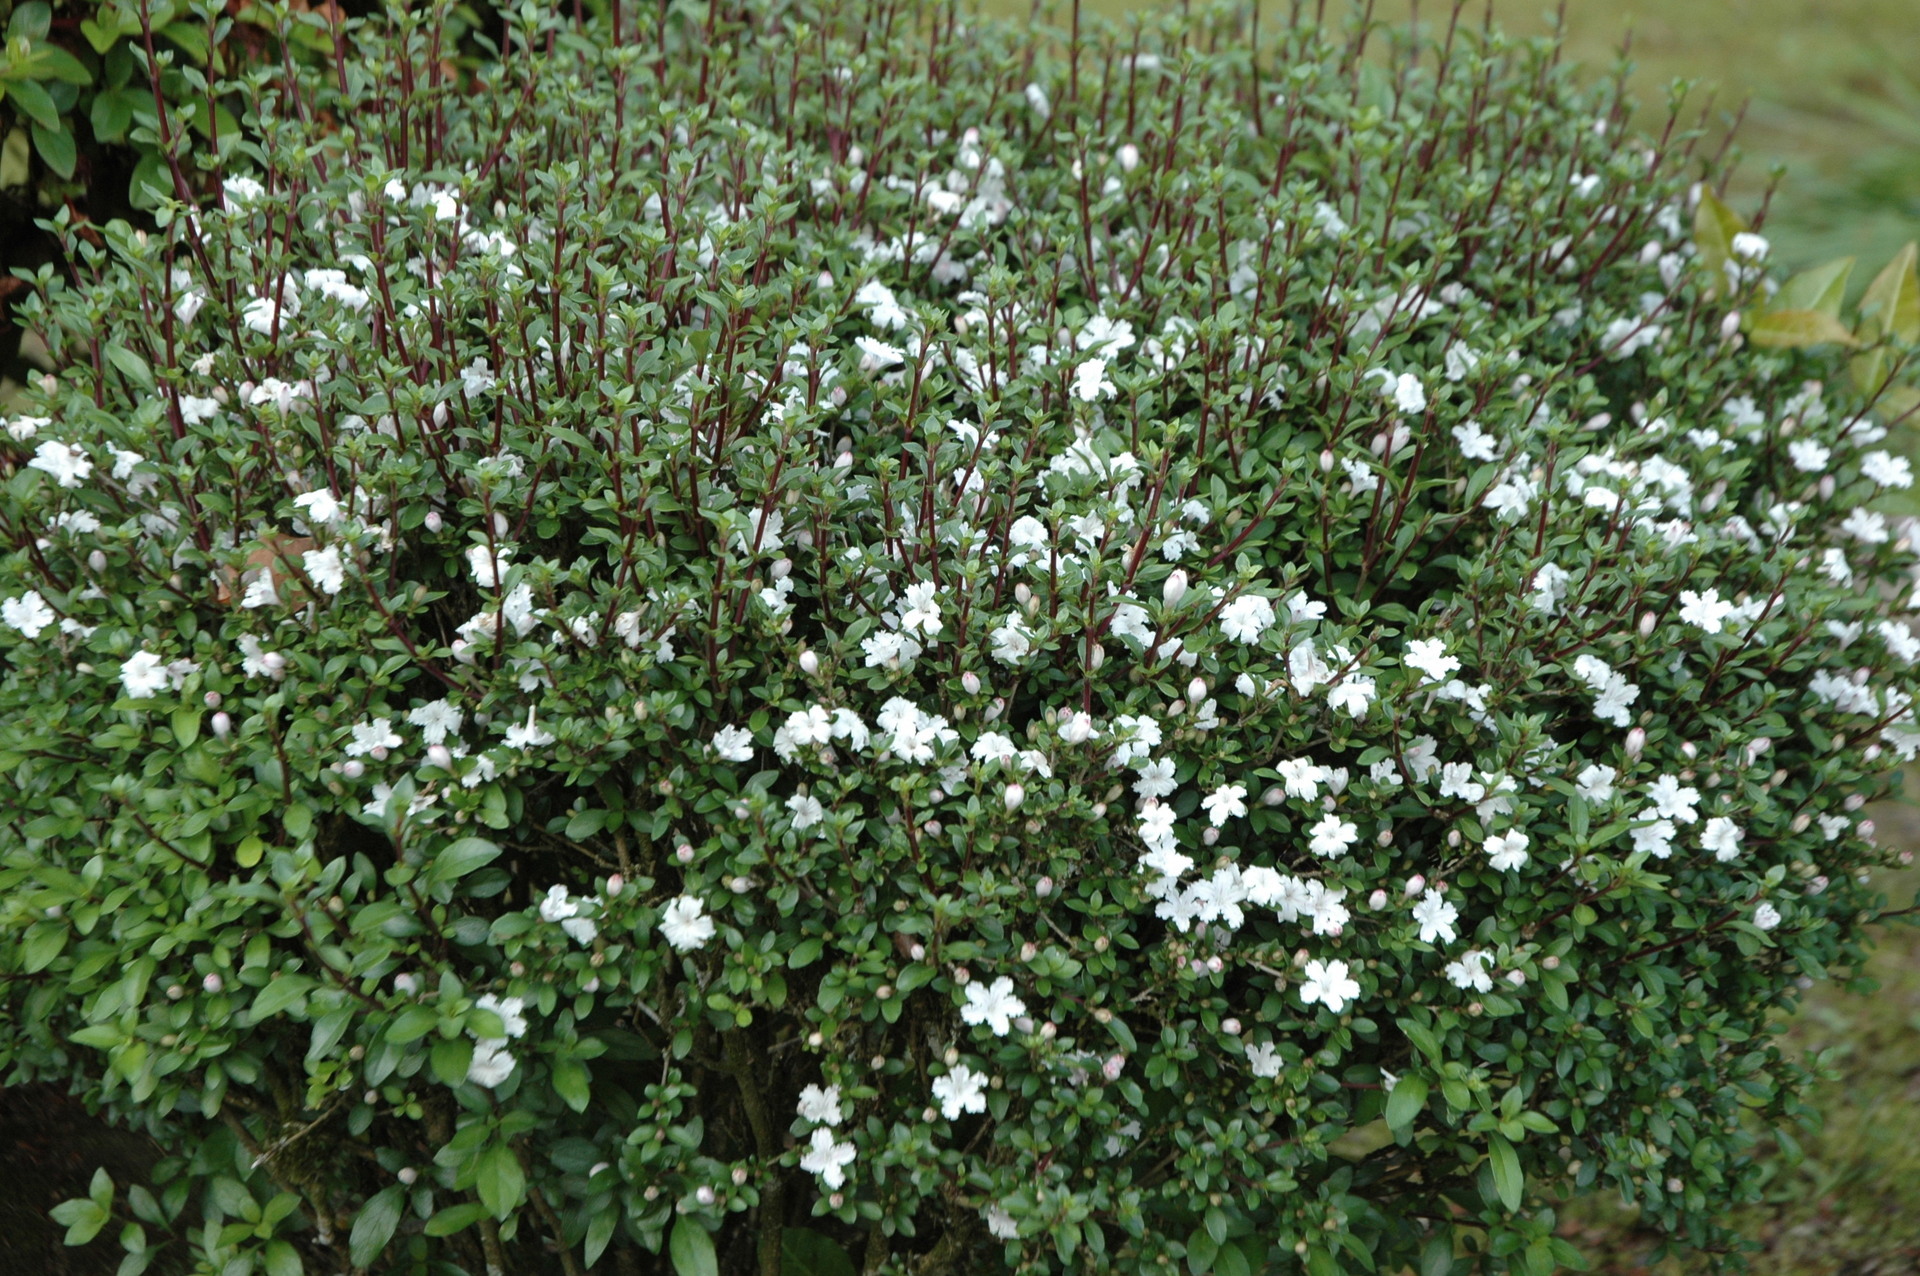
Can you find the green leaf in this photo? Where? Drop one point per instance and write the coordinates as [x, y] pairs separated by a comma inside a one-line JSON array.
[[1714, 226], [500, 1180], [454, 1218], [152, 183], [1891, 305], [1408, 1099], [55, 63], [283, 1259], [35, 101], [451, 1059], [56, 148], [45, 941], [1508, 1180], [191, 39], [83, 1220], [112, 112], [805, 1252], [279, 995], [570, 1082], [1797, 329], [460, 858], [1202, 1249], [412, 1024], [692, 1249], [100, 37], [600, 1232], [1820, 289], [31, 22], [186, 725], [248, 853]]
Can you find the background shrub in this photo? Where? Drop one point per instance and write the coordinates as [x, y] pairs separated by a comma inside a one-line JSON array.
[[798, 639]]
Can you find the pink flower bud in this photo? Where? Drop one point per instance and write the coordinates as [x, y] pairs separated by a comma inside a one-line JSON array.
[[1174, 588], [222, 725], [1216, 965], [970, 683], [1197, 690], [213, 983], [683, 853], [1415, 885], [1230, 1026], [1636, 742], [616, 884], [211, 699], [433, 521], [1113, 1067], [1377, 900], [353, 768], [1043, 887]]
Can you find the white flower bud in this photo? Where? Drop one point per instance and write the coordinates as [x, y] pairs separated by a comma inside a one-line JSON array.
[[353, 768], [222, 725], [1730, 326], [1014, 795], [97, 561], [408, 1175], [1636, 742], [970, 683], [1415, 885], [1129, 156], [1210, 836], [1274, 796], [1216, 965], [1517, 977], [499, 523], [1230, 1026], [704, 1194], [432, 522], [809, 663], [616, 884], [1647, 622], [441, 756], [1377, 900], [1197, 690], [1043, 887], [1174, 588]]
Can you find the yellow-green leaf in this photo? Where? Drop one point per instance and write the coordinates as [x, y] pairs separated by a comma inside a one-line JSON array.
[[1819, 289], [1797, 329], [1714, 226], [1891, 305]]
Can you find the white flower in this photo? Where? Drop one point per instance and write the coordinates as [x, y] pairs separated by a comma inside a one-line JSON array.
[[491, 1064], [1471, 971], [1595, 783], [368, 736], [1301, 778], [1000, 1224], [529, 734], [1507, 851], [28, 613], [1429, 656], [321, 506], [1672, 801], [1306, 668], [1090, 381], [1224, 803], [1475, 443], [876, 355], [1246, 618], [1328, 984], [806, 811], [1750, 247], [826, 1158], [325, 569], [513, 1021], [733, 744], [1156, 778], [994, 1006], [144, 675], [685, 924], [1263, 1060], [488, 564], [1405, 390], [1766, 917], [68, 465], [1723, 837], [1882, 468], [961, 1090], [1655, 838], [1708, 611], [1354, 693], [437, 719], [1809, 456], [922, 611], [883, 308], [1456, 780], [241, 190], [820, 1106], [1332, 836], [1460, 363], [558, 905], [1436, 917], [1012, 641]]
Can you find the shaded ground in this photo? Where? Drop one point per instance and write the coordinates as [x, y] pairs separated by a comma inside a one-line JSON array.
[[49, 1149]]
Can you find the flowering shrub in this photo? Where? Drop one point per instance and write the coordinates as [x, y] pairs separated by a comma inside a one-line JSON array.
[[794, 642]]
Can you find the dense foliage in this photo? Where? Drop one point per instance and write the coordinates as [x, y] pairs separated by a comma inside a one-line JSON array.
[[807, 638]]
